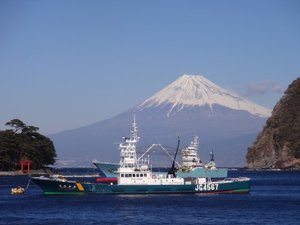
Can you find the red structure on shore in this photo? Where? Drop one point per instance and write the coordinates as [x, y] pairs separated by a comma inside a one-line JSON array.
[[25, 162]]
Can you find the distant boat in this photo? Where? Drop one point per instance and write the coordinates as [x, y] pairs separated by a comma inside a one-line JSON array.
[[135, 177]]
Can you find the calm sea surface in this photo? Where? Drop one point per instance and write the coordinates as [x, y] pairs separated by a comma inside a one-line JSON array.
[[274, 199]]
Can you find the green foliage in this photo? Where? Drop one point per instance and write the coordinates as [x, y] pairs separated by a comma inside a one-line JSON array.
[[24, 142]]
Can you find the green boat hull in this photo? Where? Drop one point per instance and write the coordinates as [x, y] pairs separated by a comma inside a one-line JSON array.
[[203, 172], [50, 186], [69, 187]]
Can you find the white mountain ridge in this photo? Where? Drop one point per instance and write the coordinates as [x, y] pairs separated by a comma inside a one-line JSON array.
[[196, 90]]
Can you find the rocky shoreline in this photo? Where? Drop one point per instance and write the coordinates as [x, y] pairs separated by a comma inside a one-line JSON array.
[[277, 146], [19, 172]]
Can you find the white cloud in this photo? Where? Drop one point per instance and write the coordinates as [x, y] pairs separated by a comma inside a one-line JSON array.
[[276, 87], [264, 87]]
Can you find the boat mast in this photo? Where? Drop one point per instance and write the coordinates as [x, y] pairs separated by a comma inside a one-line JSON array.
[[128, 148], [173, 169]]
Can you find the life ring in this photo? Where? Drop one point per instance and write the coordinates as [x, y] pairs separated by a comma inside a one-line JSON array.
[[153, 176]]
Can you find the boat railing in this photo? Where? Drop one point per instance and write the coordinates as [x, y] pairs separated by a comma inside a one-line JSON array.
[[228, 180]]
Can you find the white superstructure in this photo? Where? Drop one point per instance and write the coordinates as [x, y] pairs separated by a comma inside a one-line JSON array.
[[134, 172], [189, 155]]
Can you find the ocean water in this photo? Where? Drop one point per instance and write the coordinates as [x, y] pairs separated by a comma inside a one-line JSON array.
[[274, 199]]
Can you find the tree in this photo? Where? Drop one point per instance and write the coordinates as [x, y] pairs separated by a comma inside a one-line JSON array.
[[9, 150], [17, 124], [20, 126], [24, 142]]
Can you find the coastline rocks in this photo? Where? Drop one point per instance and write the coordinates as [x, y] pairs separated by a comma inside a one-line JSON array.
[[19, 172], [278, 145]]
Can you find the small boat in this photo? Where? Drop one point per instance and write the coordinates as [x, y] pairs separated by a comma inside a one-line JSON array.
[[136, 177], [17, 190]]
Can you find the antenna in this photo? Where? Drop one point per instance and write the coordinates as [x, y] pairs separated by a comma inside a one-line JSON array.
[[212, 157]]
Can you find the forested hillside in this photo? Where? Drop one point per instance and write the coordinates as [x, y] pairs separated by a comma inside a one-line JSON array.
[[278, 145], [24, 142]]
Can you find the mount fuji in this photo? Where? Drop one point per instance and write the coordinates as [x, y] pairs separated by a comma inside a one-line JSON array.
[[193, 91], [192, 105]]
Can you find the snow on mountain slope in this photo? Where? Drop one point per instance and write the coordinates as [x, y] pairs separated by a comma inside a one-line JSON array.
[[196, 90]]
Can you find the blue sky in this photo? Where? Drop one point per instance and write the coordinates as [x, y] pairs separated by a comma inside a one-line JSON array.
[[66, 64]]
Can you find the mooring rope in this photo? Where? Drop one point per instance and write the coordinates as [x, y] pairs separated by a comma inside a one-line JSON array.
[[27, 186]]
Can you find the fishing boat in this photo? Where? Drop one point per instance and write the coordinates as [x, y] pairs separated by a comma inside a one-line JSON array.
[[107, 169], [135, 177], [191, 165]]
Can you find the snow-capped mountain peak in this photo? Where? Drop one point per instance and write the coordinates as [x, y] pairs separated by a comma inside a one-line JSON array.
[[196, 90]]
